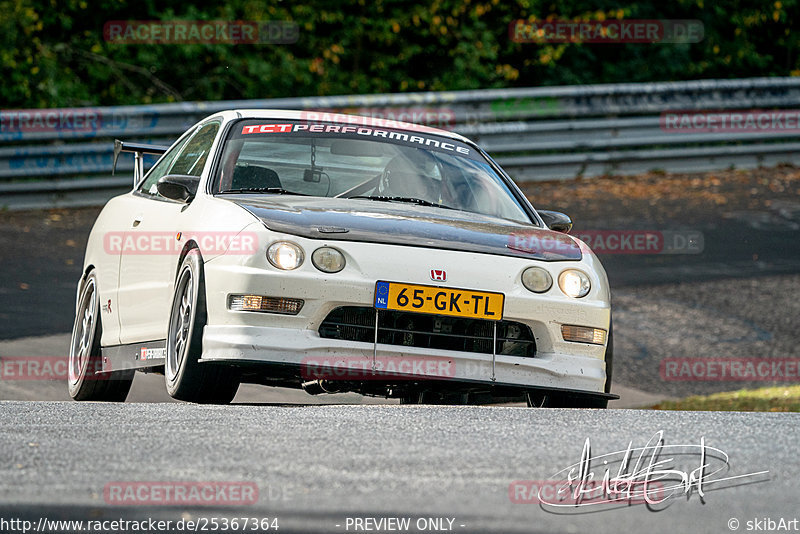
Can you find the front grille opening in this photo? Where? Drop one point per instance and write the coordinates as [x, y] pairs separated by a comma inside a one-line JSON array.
[[357, 323]]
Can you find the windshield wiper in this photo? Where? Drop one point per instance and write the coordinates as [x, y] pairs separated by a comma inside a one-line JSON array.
[[275, 190], [411, 200]]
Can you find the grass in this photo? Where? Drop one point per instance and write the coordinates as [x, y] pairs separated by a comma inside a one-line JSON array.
[[771, 399]]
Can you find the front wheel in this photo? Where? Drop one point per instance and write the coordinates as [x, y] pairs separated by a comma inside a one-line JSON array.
[[609, 357], [186, 377], [85, 380]]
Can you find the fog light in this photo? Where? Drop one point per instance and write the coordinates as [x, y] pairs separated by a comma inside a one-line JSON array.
[[583, 334], [328, 260], [285, 255], [259, 303], [574, 283], [536, 279]]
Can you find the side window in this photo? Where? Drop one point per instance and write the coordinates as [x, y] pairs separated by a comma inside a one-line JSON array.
[[193, 157], [148, 186]]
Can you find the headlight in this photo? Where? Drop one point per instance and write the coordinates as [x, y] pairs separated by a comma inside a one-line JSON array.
[[328, 260], [574, 283], [285, 255], [536, 279]]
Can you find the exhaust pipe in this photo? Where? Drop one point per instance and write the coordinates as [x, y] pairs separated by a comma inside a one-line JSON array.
[[317, 387]]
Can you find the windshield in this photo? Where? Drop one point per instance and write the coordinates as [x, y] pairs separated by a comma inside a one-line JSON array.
[[363, 164]]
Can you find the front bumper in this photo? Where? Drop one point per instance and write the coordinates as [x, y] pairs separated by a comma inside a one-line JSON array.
[[306, 350], [293, 340]]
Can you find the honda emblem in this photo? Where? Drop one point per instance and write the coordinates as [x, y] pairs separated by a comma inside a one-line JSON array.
[[438, 275]]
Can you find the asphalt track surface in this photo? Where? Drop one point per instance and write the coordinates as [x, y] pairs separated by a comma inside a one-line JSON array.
[[315, 466]]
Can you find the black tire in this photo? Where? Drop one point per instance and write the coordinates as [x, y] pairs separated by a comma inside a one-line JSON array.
[[410, 398], [609, 357], [186, 378], [436, 398], [84, 380]]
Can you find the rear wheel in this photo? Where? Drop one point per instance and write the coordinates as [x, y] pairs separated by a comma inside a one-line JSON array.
[[85, 380], [186, 377]]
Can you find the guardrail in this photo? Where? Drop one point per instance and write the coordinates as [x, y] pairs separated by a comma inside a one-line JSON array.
[[53, 158]]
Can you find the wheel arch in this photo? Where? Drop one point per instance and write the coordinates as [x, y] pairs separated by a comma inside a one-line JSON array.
[[81, 281], [187, 248]]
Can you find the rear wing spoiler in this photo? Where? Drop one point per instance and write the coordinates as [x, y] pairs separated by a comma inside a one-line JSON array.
[[138, 150]]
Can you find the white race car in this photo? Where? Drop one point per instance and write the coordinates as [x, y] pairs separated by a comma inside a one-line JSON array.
[[337, 253]]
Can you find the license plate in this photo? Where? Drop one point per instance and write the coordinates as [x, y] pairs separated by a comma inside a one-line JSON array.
[[439, 300]]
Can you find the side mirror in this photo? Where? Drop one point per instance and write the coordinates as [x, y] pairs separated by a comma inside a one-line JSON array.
[[555, 220], [178, 186]]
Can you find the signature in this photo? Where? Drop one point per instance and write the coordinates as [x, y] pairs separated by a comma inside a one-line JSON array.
[[651, 474]]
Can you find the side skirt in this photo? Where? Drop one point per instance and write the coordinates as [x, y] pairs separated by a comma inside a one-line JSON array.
[[134, 356]]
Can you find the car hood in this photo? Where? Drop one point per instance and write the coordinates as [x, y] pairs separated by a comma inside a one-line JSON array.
[[397, 223]]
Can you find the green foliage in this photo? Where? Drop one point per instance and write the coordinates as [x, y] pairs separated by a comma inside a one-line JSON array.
[[53, 53]]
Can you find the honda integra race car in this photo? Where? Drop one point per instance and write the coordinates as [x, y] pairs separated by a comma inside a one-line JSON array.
[[338, 254]]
